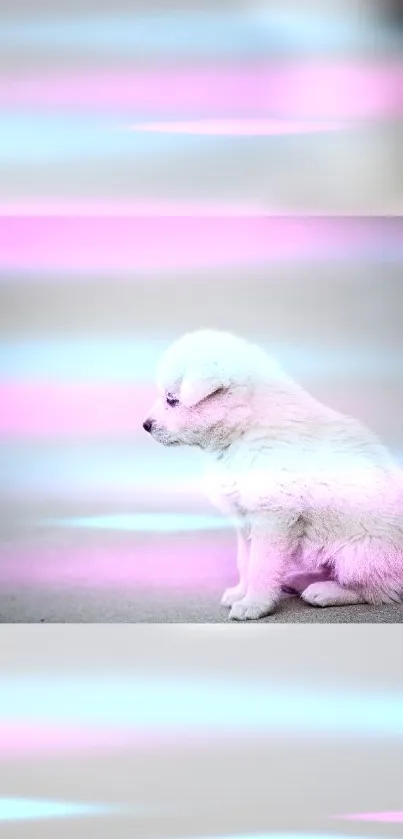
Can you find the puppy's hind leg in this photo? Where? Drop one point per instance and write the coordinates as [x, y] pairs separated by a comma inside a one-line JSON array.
[[331, 593], [367, 570], [235, 593]]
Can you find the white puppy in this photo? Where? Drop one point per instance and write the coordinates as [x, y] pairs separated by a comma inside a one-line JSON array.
[[308, 488]]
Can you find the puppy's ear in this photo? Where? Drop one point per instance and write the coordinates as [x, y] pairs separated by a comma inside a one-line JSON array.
[[194, 390]]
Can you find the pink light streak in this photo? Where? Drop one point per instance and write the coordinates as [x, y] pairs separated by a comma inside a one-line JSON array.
[[111, 207], [16, 739], [20, 739], [23, 739], [394, 817], [237, 127], [168, 563], [126, 247], [42, 410], [315, 89]]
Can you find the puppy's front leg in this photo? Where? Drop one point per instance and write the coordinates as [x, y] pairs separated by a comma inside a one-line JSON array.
[[271, 542], [235, 593]]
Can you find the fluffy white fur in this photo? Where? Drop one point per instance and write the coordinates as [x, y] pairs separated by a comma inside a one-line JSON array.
[[311, 491]]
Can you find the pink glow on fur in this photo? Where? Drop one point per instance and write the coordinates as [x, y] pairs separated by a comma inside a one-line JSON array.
[[237, 127], [317, 89], [127, 246]]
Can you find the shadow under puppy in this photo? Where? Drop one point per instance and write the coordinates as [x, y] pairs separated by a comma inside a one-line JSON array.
[[311, 491]]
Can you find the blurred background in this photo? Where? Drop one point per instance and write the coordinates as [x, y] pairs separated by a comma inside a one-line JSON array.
[[229, 165], [190, 732], [233, 165]]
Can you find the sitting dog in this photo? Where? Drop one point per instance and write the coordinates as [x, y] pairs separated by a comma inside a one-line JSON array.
[[311, 491]]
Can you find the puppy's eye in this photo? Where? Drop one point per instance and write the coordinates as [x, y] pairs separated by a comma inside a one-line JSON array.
[[171, 401]]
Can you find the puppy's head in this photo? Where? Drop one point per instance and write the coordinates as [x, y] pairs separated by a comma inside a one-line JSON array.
[[206, 382]]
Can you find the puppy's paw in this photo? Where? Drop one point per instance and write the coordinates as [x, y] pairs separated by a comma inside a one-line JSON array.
[[251, 610], [317, 594], [232, 595], [330, 593]]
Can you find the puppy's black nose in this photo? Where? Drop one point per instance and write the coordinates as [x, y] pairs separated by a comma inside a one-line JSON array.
[[147, 425]]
